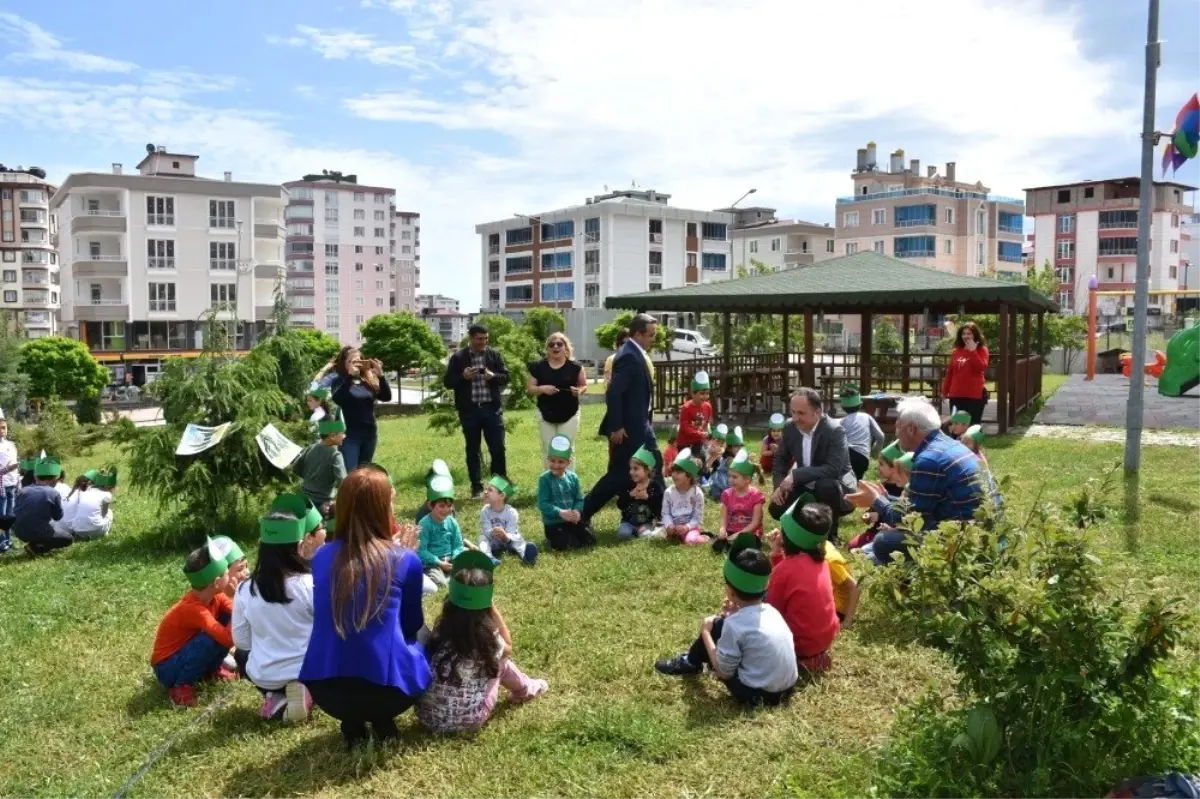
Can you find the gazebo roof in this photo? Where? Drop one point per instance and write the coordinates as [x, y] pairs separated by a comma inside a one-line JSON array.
[[866, 282]]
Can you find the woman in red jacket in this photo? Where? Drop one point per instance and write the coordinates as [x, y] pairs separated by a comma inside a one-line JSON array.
[[965, 374]]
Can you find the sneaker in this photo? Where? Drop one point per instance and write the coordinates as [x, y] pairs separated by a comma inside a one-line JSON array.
[[678, 666], [224, 674], [477, 493], [536, 689], [299, 702], [531, 554], [273, 706], [719, 544], [182, 695]]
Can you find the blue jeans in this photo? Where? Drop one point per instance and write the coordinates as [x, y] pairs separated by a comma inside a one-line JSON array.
[[8, 500], [486, 421], [194, 661], [359, 447], [888, 543], [627, 531]]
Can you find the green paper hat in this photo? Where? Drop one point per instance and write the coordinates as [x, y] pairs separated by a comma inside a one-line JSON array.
[[92, 476], [106, 478], [685, 462], [217, 566], [720, 432], [799, 530], [233, 553], [439, 467], [645, 457], [850, 397], [440, 487], [503, 486], [891, 452], [289, 531], [738, 577], [700, 382], [742, 464], [975, 433], [27, 465], [905, 462], [332, 424], [471, 597], [48, 466], [777, 421], [735, 438], [959, 417], [560, 447], [320, 392]]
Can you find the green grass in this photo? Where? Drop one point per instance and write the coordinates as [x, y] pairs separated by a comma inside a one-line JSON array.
[[80, 710]]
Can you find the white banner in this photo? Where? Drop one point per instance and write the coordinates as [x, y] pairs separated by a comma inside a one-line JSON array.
[[196, 439], [278, 448]]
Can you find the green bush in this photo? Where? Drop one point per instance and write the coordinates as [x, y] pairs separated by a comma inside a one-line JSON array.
[[1065, 685], [87, 409]]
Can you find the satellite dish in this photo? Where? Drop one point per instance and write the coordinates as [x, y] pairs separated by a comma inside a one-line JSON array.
[[150, 148]]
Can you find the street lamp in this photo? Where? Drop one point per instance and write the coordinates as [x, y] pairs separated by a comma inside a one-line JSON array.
[[731, 207]]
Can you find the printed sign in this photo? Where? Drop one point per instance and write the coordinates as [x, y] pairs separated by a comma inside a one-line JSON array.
[[196, 439], [277, 447]]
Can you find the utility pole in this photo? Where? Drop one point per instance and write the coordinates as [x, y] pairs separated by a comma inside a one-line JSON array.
[[1137, 382]]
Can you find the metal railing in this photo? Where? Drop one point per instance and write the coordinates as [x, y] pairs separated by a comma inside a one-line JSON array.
[[1118, 251], [1118, 224], [916, 222], [163, 262], [959, 195], [102, 212], [160, 219], [1010, 229], [916, 254], [94, 257], [104, 301], [158, 306]]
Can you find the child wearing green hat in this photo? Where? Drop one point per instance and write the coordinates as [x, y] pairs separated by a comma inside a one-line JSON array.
[[959, 421], [734, 441], [321, 465], [91, 509], [194, 637], [973, 438], [437, 468], [317, 400], [741, 504], [683, 502], [749, 646], [439, 538], [801, 587], [498, 530], [770, 442], [38, 507], [696, 414], [641, 505], [470, 654], [863, 434], [560, 500]]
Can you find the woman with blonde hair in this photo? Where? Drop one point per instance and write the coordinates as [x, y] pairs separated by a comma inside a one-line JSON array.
[[364, 664], [558, 381]]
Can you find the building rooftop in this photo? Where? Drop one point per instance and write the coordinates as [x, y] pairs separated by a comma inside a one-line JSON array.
[[1133, 181]]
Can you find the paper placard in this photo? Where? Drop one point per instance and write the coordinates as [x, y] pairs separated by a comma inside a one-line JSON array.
[[278, 448], [196, 438]]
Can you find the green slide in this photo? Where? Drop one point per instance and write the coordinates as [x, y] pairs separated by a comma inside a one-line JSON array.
[[1182, 372]]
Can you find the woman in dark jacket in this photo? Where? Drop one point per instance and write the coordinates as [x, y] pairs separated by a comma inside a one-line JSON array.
[[356, 386]]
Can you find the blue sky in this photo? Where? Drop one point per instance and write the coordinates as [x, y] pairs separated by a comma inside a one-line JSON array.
[[475, 109]]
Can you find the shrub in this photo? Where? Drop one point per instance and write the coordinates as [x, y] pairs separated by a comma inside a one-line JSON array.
[[1064, 685], [87, 409]]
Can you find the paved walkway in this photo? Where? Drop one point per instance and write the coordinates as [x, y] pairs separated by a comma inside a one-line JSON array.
[[1103, 400]]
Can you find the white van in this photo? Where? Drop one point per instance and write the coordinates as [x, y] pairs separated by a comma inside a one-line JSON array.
[[693, 343]]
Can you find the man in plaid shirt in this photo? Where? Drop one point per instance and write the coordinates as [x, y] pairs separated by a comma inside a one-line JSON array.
[[478, 376]]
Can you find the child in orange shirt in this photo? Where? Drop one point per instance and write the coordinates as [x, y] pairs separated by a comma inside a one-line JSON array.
[[194, 637], [695, 415]]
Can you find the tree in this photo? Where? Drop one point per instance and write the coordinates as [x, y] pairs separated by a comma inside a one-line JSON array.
[[1068, 332], [541, 322], [757, 268], [606, 334], [1044, 281], [62, 367], [323, 346], [400, 341], [14, 384], [497, 326], [885, 338]]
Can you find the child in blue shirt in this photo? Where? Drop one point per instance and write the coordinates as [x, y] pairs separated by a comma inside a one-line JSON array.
[[37, 506], [560, 500], [439, 537]]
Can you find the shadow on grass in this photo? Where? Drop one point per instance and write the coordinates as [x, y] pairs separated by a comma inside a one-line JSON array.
[[150, 697], [1133, 513], [1177, 504]]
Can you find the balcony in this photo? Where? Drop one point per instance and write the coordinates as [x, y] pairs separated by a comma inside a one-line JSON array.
[[269, 229], [270, 268], [1010, 229], [264, 311], [35, 297], [1117, 252], [917, 254], [90, 309], [38, 319], [101, 266], [99, 220], [1010, 259], [33, 197], [797, 258]]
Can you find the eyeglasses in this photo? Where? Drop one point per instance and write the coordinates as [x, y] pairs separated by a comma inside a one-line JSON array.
[[557, 345]]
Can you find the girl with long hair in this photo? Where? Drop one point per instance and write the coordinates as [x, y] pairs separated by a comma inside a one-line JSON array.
[[966, 372], [356, 385]]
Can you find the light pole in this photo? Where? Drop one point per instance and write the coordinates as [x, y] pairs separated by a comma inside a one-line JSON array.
[[732, 206]]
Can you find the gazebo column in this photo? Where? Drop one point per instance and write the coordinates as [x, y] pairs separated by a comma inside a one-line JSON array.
[[1015, 354], [1041, 331], [809, 371], [787, 358], [1002, 386], [904, 352], [864, 378], [726, 353], [1026, 333]]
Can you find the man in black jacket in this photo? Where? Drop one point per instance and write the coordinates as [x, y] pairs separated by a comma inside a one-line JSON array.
[[477, 375], [812, 458]]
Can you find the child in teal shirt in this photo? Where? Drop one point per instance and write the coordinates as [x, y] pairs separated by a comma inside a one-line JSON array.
[[560, 499], [439, 538]]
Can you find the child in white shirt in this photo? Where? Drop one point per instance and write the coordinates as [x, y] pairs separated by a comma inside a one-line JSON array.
[[498, 531], [93, 512], [683, 502]]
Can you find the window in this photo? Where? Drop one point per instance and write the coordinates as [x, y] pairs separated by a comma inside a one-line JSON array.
[[358, 249], [518, 293], [379, 302], [300, 266], [10, 275], [1089, 192], [915, 215], [300, 302], [1174, 245], [222, 293], [300, 229], [1111, 273], [359, 232], [656, 263], [879, 246], [406, 249], [1066, 248], [300, 283], [753, 247], [33, 196], [10, 256], [493, 298], [160, 210], [1109, 220], [521, 235], [380, 233], [360, 213], [830, 245], [94, 249], [851, 247], [879, 216], [518, 264], [380, 215], [379, 250], [493, 271], [552, 231], [160, 253], [1009, 222], [713, 261], [1174, 219], [378, 267], [162, 297], [222, 255], [656, 286], [358, 285], [1173, 272], [378, 285], [1119, 245], [556, 261], [358, 319], [8, 235], [981, 221], [1064, 196], [331, 322], [1009, 251], [775, 246], [331, 268], [220, 214], [850, 219], [714, 231], [948, 247], [380, 198], [358, 267], [332, 287], [591, 262], [10, 296], [331, 251], [949, 216], [691, 260], [493, 240], [979, 253], [591, 230], [558, 292], [360, 196]]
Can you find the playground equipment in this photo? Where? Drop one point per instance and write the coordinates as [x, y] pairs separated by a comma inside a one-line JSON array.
[[1153, 369], [1178, 369]]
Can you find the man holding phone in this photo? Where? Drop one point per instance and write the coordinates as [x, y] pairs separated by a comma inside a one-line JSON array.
[[477, 375]]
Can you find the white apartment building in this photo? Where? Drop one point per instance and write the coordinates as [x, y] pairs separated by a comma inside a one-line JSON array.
[[757, 235], [621, 242], [935, 220], [1189, 260], [437, 302], [31, 280], [144, 256], [406, 244], [1089, 228]]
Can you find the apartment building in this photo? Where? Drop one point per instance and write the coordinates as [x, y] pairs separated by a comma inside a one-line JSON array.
[[406, 243], [935, 220], [31, 290], [1089, 228], [616, 243], [340, 263], [757, 235], [1189, 260], [145, 256], [437, 302]]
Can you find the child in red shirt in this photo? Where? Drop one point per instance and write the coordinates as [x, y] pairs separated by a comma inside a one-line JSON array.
[[672, 451], [801, 588], [770, 443], [695, 415], [194, 637]]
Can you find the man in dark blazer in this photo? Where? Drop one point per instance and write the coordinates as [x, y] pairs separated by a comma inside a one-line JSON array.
[[627, 417], [815, 448], [477, 375]]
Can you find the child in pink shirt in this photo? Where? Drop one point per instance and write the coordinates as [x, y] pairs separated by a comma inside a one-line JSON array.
[[741, 503]]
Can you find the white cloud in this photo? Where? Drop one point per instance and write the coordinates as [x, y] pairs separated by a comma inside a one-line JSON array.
[[340, 45], [39, 45]]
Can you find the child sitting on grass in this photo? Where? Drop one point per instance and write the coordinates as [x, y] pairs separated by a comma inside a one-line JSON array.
[[439, 538], [972, 438], [771, 441], [235, 559], [437, 469], [560, 500], [92, 515], [273, 609], [470, 654], [958, 422], [498, 530], [734, 441], [683, 502], [749, 646], [741, 504], [801, 588], [713, 452], [70, 502], [321, 465], [672, 450], [194, 636], [38, 507], [641, 505], [845, 588], [696, 414]]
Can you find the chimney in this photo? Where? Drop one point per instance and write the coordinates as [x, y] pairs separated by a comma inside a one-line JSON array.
[[871, 162], [116, 168], [930, 171], [228, 176], [860, 164], [914, 166], [950, 171], [897, 164]]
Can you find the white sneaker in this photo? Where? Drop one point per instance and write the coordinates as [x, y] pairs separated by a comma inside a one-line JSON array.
[[299, 702], [655, 532]]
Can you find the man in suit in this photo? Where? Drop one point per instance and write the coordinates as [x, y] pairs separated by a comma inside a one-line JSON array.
[[627, 418], [816, 447]]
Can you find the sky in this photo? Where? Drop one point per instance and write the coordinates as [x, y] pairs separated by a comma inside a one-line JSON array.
[[474, 110]]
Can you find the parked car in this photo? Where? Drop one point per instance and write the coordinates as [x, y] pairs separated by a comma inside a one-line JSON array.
[[693, 343]]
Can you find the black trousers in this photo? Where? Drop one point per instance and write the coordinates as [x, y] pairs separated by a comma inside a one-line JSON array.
[[972, 406], [616, 479], [569, 536], [698, 655], [52, 540], [487, 422], [355, 702], [859, 463], [826, 491]]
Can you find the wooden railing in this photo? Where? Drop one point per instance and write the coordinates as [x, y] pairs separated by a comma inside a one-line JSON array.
[[1029, 383]]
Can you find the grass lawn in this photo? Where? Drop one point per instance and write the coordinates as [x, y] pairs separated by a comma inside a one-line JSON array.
[[80, 710]]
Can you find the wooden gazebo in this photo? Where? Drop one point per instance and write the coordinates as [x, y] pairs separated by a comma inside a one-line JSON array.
[[867, 284]]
